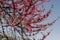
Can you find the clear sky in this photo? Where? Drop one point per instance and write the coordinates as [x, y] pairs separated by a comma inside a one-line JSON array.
[[55, 35]]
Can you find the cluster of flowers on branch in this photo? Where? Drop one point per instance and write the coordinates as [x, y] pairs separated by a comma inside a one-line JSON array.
[[24, 14]]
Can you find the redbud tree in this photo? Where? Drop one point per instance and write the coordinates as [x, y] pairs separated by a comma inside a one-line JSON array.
[[24, 17]]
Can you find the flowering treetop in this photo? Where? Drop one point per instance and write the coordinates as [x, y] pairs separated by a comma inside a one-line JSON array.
[[24, 14]]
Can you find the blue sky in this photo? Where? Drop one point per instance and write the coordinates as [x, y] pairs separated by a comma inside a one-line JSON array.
[[55, 35]]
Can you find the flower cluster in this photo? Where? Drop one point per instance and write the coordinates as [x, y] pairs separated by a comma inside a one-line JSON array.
[[24, 14]]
